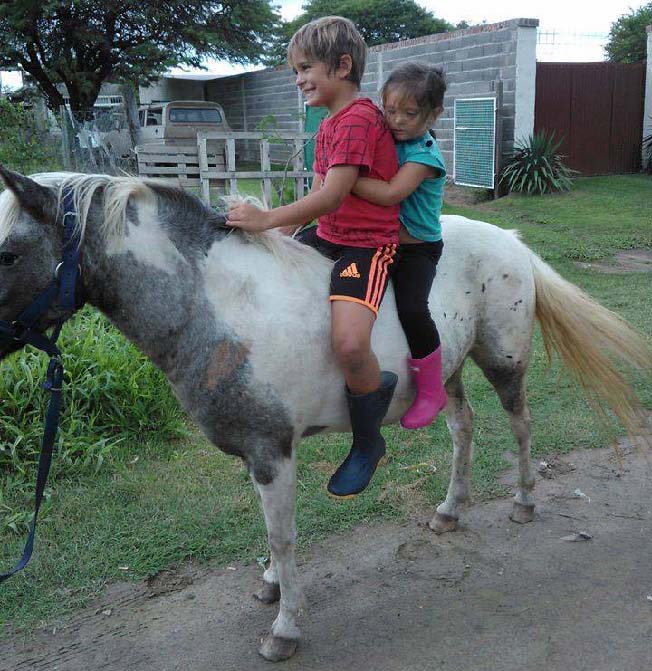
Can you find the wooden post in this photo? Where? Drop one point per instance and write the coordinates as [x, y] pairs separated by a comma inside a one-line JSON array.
[[297, 164], [230, 161], [202, 146], [265, 165], [498, 158]]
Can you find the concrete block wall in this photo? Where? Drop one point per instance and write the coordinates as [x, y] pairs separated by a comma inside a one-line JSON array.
[[473, 59]]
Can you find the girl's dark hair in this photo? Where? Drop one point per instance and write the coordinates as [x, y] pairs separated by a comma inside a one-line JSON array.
[[425, 84]]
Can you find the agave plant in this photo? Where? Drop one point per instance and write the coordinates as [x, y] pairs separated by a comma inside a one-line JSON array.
[[535, 168]]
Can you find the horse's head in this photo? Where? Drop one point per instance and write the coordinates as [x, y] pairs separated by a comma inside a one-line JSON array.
[[31, 244]]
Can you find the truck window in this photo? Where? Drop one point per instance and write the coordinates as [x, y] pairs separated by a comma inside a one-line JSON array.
[[154, 118], [195, 115]]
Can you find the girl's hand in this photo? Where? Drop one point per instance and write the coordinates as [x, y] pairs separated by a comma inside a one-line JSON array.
[[248, 218]]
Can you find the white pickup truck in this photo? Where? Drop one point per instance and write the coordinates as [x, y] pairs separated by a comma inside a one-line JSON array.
[[168, 148], [177, 122]]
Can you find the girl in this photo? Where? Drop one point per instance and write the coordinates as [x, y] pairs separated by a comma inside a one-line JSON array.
[[413, 98]]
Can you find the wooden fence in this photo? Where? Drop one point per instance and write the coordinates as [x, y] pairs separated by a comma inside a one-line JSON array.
[[210, 173], [177, 163], [596, 109], [210, 164]]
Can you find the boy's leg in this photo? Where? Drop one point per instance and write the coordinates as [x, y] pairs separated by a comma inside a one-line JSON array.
[[351, 325], [358, 283]]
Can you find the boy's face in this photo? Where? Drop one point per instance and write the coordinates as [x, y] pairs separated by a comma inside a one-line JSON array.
[[319, 87]]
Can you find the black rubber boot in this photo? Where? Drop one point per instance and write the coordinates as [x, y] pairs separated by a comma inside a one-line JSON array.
[[367, 412]]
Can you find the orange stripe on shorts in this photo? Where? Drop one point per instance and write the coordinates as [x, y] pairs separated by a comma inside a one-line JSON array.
[[383, 268], [372, 275]]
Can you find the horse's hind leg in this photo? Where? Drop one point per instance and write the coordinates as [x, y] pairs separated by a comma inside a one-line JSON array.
[[510, 387], [459, 418], [278, 502]]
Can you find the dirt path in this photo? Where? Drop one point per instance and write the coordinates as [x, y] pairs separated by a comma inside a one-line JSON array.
[[492, 596]]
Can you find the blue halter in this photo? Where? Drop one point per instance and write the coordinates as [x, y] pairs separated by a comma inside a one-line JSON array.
[[63, 291]]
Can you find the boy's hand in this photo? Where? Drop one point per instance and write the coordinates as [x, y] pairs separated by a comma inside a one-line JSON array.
[[248, 218]]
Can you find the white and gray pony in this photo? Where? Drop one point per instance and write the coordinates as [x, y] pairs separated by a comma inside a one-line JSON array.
[[240, 326]]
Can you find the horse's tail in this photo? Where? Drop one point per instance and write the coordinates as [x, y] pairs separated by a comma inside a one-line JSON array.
[[590, 340]]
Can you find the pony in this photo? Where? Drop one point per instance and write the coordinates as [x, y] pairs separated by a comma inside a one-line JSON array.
[[239, 324]]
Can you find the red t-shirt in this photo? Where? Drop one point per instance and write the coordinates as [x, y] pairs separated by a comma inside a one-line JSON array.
[[357, 135]]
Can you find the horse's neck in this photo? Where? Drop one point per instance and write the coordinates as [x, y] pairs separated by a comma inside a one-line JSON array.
[[147, 288]]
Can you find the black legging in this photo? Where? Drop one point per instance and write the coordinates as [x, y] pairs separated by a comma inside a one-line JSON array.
[[412, 275]]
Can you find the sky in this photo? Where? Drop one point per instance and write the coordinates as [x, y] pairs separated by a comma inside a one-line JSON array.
[[568, 30], [573, 31], [559, 14]]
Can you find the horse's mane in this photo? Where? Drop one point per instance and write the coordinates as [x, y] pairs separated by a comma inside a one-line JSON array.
[[117, 191]]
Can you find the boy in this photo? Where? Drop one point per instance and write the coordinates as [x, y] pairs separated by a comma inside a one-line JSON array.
[[328, 56]]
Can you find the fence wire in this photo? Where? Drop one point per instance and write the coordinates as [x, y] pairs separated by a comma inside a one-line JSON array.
[[97, 141]]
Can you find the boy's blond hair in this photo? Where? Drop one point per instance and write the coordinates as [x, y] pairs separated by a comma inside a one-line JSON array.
[[327, 40]]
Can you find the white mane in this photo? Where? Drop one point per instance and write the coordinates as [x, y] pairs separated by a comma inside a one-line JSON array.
[[118, 191]]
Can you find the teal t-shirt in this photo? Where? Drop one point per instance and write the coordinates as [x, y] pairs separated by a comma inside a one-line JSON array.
[[421, 210]]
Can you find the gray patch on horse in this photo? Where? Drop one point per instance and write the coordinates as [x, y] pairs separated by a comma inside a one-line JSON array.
[[194, 233], [509, 381], [131, 213], [208, 367]]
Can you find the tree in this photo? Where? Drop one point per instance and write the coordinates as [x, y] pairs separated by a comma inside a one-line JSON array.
[[628, 38], [379, 21], [83, 43]]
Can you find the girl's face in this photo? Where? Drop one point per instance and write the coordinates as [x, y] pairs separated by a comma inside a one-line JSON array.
[[403, 117]]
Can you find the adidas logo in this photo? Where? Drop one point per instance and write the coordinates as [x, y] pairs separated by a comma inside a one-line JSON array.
[[351, 271]]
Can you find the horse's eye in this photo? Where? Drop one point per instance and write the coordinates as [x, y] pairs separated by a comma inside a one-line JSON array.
[[7, 258]]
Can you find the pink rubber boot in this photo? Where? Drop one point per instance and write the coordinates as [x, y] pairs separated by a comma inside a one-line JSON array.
[[431, 395]]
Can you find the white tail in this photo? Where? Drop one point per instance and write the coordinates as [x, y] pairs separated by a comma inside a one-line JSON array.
[[590, 339]]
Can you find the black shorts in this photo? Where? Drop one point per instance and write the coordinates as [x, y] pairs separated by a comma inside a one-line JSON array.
[[360, 274]]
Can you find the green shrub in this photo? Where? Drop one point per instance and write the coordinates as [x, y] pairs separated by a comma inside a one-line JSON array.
[[535, 168], [112, 394], [22, 146]]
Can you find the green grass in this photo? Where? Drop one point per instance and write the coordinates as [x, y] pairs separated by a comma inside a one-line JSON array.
[[156, 497]]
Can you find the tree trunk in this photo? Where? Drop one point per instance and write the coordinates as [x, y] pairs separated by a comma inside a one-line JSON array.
[[128, 91]]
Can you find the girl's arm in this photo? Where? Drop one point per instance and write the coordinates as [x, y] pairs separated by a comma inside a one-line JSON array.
[[404, 182]]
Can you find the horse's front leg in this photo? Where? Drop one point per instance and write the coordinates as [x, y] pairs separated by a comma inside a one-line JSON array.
[[278, 502], [270, 591]]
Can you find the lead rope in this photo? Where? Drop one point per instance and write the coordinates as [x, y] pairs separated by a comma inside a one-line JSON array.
[[65, 288]]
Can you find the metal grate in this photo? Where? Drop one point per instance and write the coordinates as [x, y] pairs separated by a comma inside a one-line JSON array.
[[475, 142]]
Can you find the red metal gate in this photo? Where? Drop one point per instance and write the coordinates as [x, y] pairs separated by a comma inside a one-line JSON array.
[[597, 108]]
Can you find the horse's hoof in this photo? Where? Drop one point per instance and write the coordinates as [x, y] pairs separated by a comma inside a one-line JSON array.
[[269, 593], [442, 523], [521, 513], [276, 649]]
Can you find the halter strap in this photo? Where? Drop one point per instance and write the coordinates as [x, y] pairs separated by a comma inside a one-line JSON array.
[[24, 330]]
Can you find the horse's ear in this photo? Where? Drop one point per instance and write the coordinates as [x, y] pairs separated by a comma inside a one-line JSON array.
[[37, 199]]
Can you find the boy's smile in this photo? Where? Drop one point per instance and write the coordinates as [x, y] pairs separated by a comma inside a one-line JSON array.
[[315, 82], [320, 86]]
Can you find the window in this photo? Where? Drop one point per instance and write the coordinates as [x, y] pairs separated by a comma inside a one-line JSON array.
[[197, 115]]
